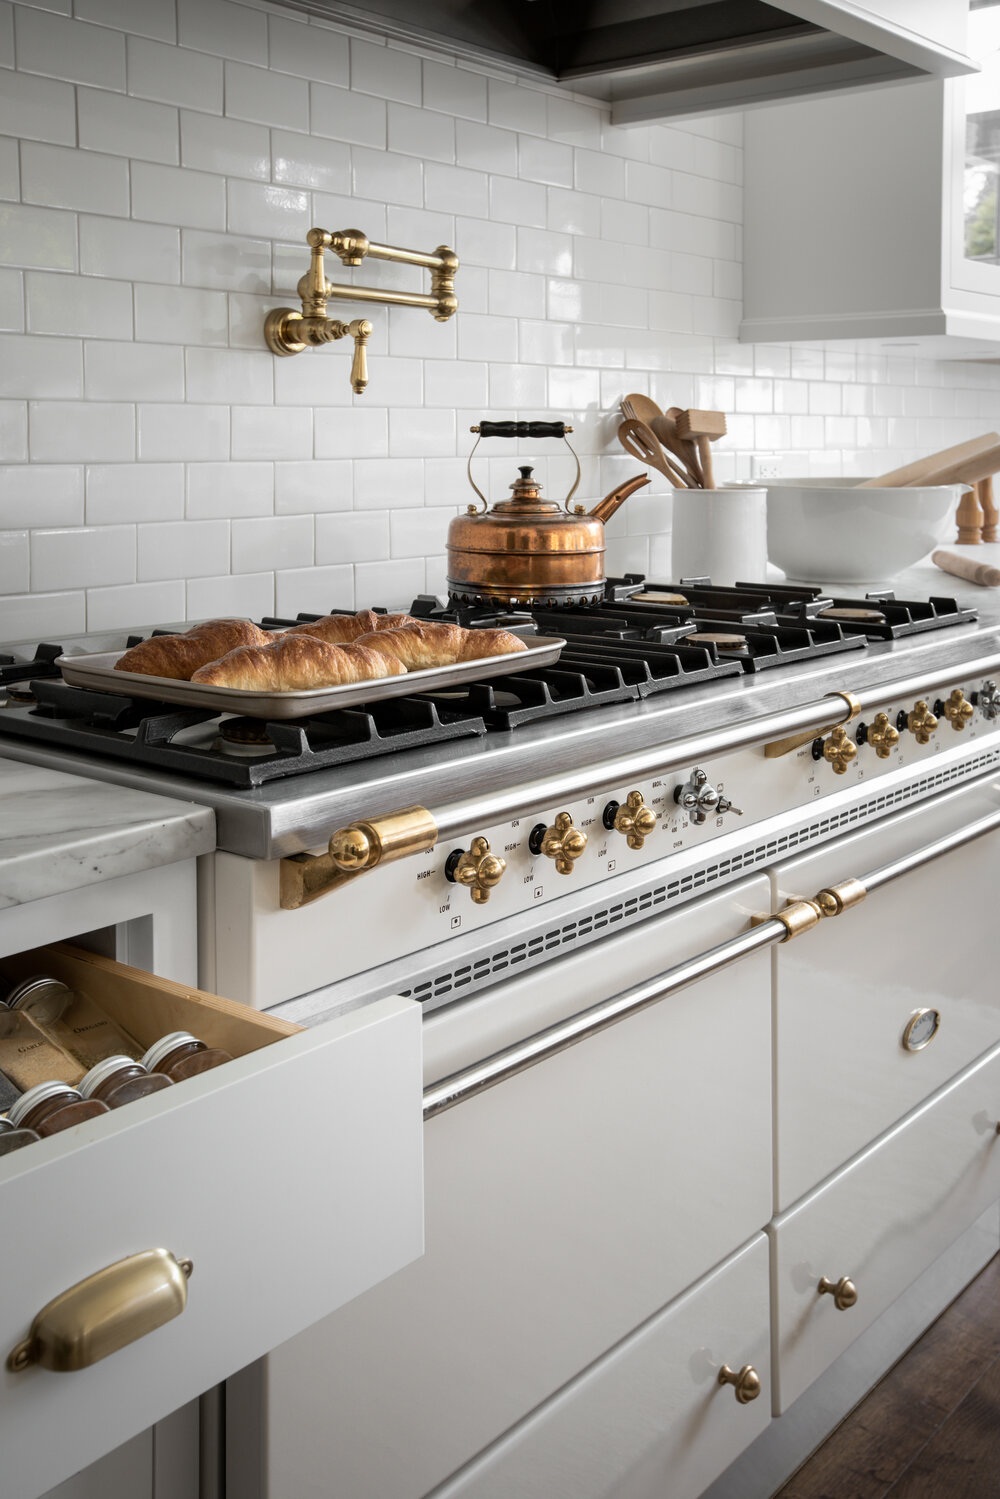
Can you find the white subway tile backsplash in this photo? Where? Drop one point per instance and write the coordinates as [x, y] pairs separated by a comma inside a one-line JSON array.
[[273, 542], [81, 431], [6, 35], [313, 590], [230, 375], [10, 176], [545, 161], [544, 251], [115, 248], [454, 90], [175, 195], [220, 27], [34, 616], [485, 148], [225, 262], [78, 305], [40, 367], [385, 71], [487, 338], [248, 597], [308, 51], [122, 126], [266, 97], [312, 486], [14, 431], [63, 178], [420, 132], [347, 116], [517, 386], [134, 604], [174, 75], [142, 17], [14, 568], [514, 202], [421, 434], [183, 549], [199, 433], [308, 161], [516, 108], [260, 432], [39, 494], [417, 533], [361, 537], [126, 493], [180, 315], [394, 584], [221, 490], [133, 372], [387, 483], [246, 319], [82, 557], [42, 237], [61, 48], [271, 212], [229, 147], [386, 175], [454, 382], [37, 109], [357, 431]]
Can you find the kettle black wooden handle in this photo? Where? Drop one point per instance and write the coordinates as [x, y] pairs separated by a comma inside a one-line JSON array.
[[521, 429]]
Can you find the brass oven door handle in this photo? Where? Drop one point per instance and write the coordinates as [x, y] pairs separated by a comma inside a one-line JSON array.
[[107, 1311]]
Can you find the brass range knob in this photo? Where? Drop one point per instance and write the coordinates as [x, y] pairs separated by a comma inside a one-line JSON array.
[[843, 1291], [477, 869], [634, 819], [839, 750], [562, 842], [745, 1383], [957, 710], [920, 721], [882, 736]]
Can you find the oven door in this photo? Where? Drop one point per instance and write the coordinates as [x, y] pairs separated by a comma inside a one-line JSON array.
[[877, 1009], [564, 1207]]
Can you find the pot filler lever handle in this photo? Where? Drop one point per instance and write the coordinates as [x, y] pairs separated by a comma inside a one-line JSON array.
[[532, 429], [797, 917]]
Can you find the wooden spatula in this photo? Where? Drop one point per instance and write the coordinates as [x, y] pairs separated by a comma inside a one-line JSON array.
[[705, 427], [913, 474], [637, 440]]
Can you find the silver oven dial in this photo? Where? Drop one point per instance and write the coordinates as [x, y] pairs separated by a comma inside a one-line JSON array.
[[988, 700], [700, 799]]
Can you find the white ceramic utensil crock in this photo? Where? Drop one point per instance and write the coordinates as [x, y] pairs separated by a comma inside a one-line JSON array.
[[720, 534]]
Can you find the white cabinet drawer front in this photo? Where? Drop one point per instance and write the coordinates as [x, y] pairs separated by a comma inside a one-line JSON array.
[[564, 1208], [291, 1177], [650, 1419], [881, 1222], [846, 990]]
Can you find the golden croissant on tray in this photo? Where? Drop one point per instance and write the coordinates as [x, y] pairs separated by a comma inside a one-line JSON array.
[[423, 644], [295, 663], [179, 656]]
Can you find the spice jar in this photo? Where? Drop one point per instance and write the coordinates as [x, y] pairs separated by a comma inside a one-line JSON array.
[[9, 1092], [182, 1055], [51, 1107], [12, 1139], [28, 1056], [73, 1020], [120, 1080]]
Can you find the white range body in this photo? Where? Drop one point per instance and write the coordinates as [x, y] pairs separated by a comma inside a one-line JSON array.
[[610, 1224]]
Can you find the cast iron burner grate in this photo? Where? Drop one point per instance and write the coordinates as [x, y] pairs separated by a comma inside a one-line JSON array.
[[188, 740], [13, 671]]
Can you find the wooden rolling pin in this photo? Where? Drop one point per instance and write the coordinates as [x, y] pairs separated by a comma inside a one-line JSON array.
[[915, 473], [965, 567]]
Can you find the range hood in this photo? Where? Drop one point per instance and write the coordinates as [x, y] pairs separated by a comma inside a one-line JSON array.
[[658, 59]]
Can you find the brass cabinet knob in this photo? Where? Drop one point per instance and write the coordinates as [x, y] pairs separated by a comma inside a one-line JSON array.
[[839, 750], [635, 820], [882, 736], [843, 1291], [478, 870], [921, 722], [563, 842], [957, 710], [746, 1383]]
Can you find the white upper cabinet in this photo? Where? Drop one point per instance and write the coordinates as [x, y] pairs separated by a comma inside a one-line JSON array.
[[874, 215]]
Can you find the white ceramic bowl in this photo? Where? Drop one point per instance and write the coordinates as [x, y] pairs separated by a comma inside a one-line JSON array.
[[822, 530]]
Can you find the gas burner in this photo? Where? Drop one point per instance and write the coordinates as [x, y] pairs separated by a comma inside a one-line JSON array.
[[248, 737], [18, 694]]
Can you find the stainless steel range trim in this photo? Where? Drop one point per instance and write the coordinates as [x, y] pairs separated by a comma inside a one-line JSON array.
[[512, 1060]]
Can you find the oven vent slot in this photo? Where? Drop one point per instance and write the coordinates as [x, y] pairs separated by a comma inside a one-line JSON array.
[[586, 928]]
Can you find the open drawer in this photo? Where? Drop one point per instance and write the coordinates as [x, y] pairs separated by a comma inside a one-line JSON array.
[[291, 1178]]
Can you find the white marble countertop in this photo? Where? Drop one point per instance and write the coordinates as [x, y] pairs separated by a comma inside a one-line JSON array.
[[59, 832]]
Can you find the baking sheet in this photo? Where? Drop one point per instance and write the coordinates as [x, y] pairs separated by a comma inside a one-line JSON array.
[[97, 672]]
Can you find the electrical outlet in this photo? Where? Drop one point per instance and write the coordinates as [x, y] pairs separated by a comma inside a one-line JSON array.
[[766, 467]]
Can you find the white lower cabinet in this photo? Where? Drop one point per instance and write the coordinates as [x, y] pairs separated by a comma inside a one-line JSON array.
[[290, 1178], [880, 1222], [650, 1419]]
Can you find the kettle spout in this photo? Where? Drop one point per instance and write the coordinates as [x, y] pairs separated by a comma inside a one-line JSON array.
[[605, 509]]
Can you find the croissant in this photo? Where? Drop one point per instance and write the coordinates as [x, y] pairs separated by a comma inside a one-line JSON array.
[[426, 643], [340, 629], [179, 656], [293, 663]]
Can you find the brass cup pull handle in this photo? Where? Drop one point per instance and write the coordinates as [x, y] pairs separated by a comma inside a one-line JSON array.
[[843, 1291], [745, 1383], [107, 1311]]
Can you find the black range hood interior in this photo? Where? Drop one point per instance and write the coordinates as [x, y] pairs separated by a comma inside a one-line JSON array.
[[658, 59]]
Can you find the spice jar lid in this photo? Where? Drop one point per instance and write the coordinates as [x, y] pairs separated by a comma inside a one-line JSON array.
[[102, 1070], [4, 1123], [20, 992], [166, 1044], [38, 1094]]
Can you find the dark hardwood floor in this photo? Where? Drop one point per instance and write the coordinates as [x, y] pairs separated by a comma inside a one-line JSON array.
[[931, 1428]]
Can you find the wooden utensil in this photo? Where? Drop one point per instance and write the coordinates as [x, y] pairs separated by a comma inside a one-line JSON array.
[[968, 471], [665, 428], [915, 473], [641, 409], [969, 518], [991, 515], [705, 427], [965, 567], [688, 446], [638, 441]]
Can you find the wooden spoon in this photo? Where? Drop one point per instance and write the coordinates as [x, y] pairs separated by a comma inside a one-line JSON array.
[[637, 440], [665, 428]]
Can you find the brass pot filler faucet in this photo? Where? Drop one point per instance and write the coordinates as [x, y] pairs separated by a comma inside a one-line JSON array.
[[289, 332]]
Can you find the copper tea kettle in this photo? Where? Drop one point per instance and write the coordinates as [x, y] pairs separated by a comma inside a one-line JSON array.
[[527, 550]]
